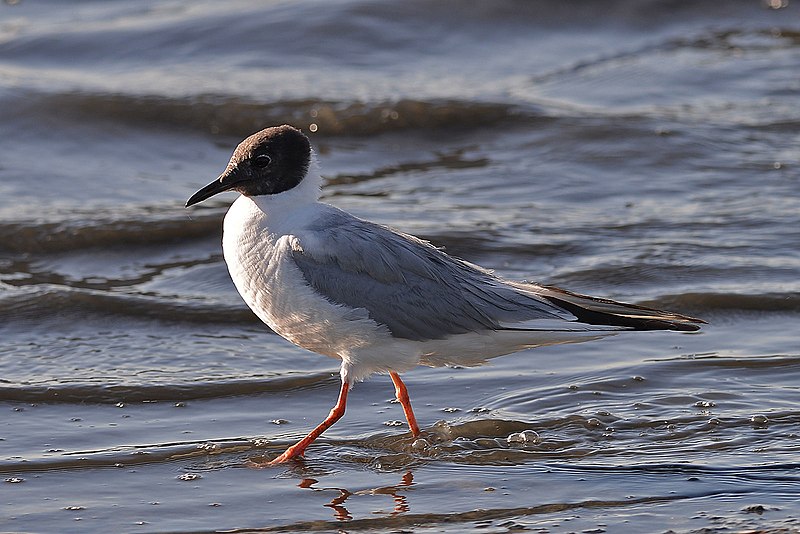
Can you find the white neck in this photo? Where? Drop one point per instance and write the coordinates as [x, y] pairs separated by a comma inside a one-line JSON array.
[[289, 207]]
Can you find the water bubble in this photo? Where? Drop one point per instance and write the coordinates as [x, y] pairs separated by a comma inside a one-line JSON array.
[[15, 480], [530, 436], [525, 437], [594, 422], [74, 508], [189, 476], [755, 509], [441, 428], [451, 410], [638, 378], [420, 444], [704, 404], [120, 405], [180, 405], [759, 419], [387, 113], [279, 421], [393, 423], [777, 4], [516, 437], [208, 447]]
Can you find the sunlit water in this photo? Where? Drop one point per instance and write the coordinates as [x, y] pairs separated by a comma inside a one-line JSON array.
[[644, 151]]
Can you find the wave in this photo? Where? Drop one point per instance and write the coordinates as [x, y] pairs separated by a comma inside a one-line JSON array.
[[108, 230], [483, 443], [728, 302], [131, 393], [48, 300], [237, 116]]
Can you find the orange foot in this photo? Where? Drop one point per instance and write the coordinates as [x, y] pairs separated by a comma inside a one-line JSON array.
[[299, 448]]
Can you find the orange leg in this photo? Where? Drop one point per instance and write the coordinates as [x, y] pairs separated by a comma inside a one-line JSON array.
[[401, 393], [300, 447]]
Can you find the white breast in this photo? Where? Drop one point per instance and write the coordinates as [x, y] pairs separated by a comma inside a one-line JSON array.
[[257, 244]]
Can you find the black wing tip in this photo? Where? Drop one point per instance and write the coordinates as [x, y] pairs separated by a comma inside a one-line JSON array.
[[635, 323], [671, 321], [679, 323], [682, 327]]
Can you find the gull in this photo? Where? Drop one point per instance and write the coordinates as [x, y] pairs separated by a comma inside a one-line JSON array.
[[380, 300]]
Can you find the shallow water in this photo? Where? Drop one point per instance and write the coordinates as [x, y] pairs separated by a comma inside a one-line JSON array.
[[643, 151]]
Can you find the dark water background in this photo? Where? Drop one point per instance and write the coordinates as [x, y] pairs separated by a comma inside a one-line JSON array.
[[643, 150]]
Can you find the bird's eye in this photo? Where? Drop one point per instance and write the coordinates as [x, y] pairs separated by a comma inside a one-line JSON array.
[[261, 161]]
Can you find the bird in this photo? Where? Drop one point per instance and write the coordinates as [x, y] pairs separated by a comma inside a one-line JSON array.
[[377, 299]]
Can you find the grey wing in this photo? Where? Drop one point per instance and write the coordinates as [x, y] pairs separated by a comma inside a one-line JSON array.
[[416, 290]]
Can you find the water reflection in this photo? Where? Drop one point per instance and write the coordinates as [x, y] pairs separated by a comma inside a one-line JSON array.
[[340, 511]]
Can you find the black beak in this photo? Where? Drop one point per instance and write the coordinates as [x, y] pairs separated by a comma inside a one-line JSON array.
[[226, 181]]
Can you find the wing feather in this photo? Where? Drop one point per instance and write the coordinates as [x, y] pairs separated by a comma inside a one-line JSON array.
[[421, 293], [407, 284]]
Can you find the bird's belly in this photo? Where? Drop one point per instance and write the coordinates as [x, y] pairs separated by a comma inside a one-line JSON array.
[[274, 288]]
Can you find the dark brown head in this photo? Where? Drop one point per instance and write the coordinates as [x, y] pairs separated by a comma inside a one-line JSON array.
[[271, 161]]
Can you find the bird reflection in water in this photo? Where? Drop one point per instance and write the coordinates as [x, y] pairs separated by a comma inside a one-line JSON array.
[[340, 511]]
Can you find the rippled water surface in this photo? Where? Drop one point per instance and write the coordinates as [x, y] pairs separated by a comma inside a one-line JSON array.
[[641, 150]]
